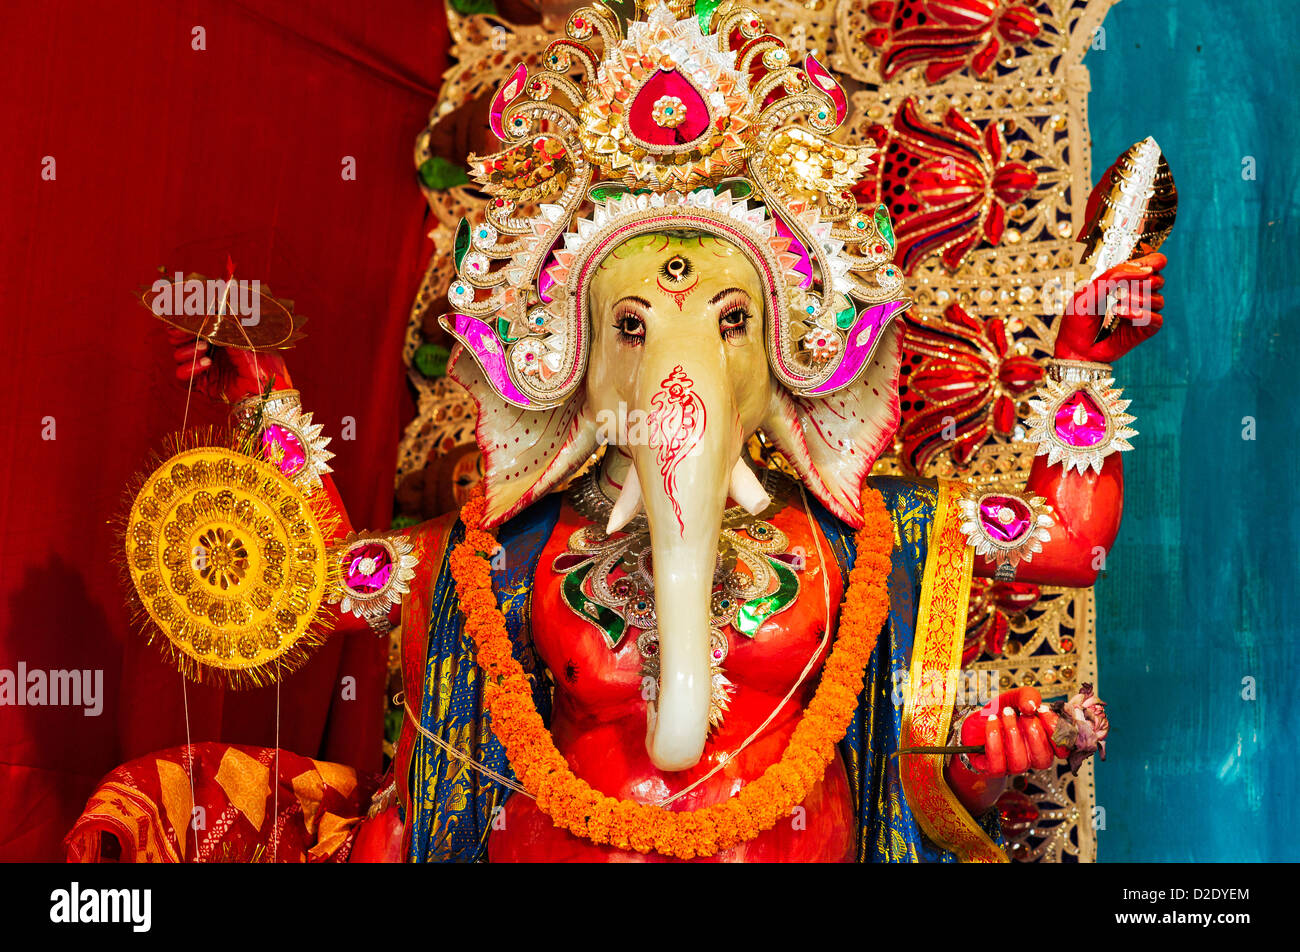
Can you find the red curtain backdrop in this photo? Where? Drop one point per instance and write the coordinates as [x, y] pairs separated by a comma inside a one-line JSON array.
[[164, 155]]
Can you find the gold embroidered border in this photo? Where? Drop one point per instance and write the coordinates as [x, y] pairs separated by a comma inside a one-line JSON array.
[[932, 682], [429, 542]]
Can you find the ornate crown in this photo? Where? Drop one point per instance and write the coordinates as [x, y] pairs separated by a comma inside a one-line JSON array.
[[698, 123]]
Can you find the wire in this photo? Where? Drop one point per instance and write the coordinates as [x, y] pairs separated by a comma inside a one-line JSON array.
[[185, 696]]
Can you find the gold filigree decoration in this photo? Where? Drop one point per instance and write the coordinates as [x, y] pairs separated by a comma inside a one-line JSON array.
[[227, 559]]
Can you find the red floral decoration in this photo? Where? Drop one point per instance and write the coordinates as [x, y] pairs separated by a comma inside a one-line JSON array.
[[947, 35], [947, 187], [960, 385], [988, 614]]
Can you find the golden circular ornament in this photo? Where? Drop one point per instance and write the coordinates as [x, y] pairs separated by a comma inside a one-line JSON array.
[[229, 561]]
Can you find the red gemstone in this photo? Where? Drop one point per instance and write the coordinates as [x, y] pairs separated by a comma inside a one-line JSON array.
[[1018, 813], [1004, 414]]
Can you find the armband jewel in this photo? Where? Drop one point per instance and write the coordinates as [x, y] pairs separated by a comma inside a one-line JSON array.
[[1006, 527], [374, 571], [1078, 417], [276, 426]]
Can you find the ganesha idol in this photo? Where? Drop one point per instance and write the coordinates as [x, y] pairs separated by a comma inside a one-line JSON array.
[[681, 619]]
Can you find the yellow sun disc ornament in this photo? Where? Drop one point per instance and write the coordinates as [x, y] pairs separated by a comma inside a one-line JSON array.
[[229, 560]]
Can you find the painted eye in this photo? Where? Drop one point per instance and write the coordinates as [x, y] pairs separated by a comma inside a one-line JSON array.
[[733, 322], [631, 329]]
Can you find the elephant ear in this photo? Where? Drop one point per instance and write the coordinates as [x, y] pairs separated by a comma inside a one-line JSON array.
[[833, 441], [526, 453]]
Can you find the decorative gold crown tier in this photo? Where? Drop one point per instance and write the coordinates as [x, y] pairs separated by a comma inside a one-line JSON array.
[[699, 123]]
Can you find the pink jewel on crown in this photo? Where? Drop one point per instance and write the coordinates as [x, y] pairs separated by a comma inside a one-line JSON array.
[[1079, 423]]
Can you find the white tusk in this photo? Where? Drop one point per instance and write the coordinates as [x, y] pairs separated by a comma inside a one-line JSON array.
[[747, 490], [628, 503]]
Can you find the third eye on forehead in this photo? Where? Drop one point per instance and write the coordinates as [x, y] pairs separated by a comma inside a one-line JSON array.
[[677, 269]]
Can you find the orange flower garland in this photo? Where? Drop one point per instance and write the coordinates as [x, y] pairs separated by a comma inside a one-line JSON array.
[[576, 806]]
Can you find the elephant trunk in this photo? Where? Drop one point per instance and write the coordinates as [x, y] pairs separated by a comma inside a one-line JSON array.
[[683, 469]]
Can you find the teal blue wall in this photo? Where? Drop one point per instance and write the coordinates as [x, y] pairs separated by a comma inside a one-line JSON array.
[[1200, 591]]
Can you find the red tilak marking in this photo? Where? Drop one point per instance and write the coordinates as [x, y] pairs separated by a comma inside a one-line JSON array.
[[677, 295], [677, 421]]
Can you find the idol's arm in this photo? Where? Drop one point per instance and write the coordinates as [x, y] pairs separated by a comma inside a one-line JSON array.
[[239, 377], [1083, 505], [1071, 507]]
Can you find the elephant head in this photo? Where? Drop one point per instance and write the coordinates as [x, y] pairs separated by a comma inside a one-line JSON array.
[[674, 241], [678, 375]]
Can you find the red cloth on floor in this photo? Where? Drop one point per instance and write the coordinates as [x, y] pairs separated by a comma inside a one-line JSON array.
[[168, 156], [223, 803]]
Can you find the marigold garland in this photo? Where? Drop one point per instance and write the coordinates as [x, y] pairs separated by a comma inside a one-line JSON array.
[[576, 806]]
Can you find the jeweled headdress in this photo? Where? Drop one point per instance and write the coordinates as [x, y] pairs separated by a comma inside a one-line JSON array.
[[698, 123]]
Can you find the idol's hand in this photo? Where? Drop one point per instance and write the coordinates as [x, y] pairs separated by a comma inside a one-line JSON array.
[[1132, 288], [225, 373], [1016, 732]]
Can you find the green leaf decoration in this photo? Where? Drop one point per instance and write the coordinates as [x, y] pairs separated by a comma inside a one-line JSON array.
[[605, 191], [738, 187], [437, 173], [704, 12], [470, 7], [610, 625], [460, 247], [503, 330], [885, 226], [754, 612], [431, 360]]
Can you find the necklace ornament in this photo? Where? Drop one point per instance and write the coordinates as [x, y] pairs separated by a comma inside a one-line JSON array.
[[574, 805], [609, 580], [721, 687]]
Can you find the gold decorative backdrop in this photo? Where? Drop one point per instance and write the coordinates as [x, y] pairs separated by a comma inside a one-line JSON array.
[[979, 108]]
